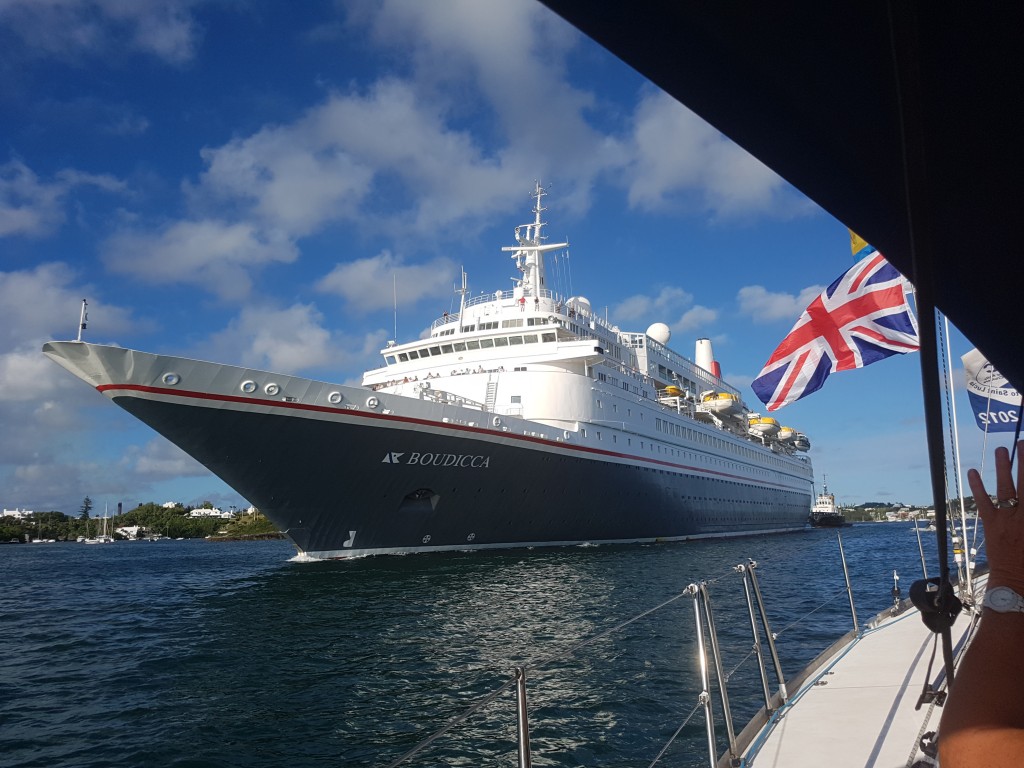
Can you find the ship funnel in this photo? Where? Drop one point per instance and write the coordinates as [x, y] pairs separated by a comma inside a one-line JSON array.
[[705, 357]]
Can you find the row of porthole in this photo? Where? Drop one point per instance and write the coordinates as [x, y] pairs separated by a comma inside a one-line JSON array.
[[426, 539], [249, 386]]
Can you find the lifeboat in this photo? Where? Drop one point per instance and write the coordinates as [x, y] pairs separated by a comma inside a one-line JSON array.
[[801, 442], [762, 426], [786, 435], [720, 402], [673, 391]]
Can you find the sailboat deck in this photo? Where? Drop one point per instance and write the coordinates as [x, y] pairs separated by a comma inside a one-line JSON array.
[[858, 709]]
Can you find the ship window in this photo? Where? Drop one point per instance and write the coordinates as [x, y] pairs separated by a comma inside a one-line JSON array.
[[473, 345], [469, 328], [547, 337], [517, 323], [516, 399], [413, 354], [446, 348], [500, 341], [530, 338], [390, 359], [488, 326], [486, 343], [513, 340], [435, 350], [460, 346], [403, 357]]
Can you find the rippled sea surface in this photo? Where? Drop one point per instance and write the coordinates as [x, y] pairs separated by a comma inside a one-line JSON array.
[[193, 653]]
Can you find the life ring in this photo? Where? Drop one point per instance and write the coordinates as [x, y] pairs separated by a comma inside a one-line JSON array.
[[248, 386], [271, 389], [170, 379], [496, 421], [372, 402], [334, 398]]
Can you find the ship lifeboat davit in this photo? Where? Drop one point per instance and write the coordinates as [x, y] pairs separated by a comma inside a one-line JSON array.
[[801, 442], [722, 403], [786, 435], [762, 426]]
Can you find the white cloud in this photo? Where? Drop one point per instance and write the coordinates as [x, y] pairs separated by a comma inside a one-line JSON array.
[[290, 340], [54, 309], [765, 306], [695, 317], [372, 283], [159, 459], [678, 159], [70, 28], [31, 207], [212, 254], [668, 300]]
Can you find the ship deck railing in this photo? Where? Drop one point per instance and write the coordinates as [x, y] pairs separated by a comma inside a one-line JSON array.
[[873, 657], [553, 304]]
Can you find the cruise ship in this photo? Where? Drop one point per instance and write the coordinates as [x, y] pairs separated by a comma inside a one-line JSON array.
[[524, 419]]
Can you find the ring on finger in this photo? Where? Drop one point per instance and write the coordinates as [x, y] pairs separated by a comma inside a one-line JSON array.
[[1007, 504]]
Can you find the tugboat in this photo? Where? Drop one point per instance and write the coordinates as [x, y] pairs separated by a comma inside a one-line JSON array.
[[825, 514]]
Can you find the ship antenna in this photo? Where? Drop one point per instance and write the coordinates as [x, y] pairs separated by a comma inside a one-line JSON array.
[[462, 297], [394, 298], [83, 319]]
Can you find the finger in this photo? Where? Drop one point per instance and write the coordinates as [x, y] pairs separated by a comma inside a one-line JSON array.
[[1020, 470], [1005, 488], [981, 497]]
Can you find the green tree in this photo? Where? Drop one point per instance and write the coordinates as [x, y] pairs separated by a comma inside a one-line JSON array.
[[83, 511]]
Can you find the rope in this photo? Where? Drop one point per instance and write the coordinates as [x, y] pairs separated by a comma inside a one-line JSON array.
[[815, 610], [675, 735], [452, 723], [539, 663], [544, 660]]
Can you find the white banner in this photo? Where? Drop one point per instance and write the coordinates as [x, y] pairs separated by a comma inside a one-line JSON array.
[[995, 402]]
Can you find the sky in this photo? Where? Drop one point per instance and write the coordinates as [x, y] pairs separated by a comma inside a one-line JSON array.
[[253, 183]]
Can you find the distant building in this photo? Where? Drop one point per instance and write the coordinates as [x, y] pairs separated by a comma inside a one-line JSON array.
[[130, 531], [211, 513], [170, 504], [19, 514]]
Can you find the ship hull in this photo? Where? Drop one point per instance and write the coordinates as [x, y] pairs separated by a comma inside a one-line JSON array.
[[345, 472]]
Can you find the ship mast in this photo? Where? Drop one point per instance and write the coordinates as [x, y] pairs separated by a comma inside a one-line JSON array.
[[83, 318], [529, 253]]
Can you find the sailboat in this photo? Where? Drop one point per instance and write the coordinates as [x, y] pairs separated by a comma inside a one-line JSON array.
[[104, 537], [902, 122]]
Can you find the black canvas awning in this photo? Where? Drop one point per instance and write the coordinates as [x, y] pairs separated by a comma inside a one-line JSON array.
[[905, 121]]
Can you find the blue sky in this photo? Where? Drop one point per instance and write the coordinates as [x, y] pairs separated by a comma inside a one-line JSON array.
[[245, 182]]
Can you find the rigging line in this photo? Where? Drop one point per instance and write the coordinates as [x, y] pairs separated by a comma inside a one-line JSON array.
[[555, 656], [947, 380], [907, 97], [675, 735], [813, 610], [544, 660], [452, 723]]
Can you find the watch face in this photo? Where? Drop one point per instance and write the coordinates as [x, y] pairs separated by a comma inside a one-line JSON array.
[[1003, 599]]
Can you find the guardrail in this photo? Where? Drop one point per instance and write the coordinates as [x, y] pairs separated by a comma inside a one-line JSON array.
[[709, 655]]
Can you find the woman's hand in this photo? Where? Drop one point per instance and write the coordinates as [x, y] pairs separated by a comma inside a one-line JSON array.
[[1003, 521]]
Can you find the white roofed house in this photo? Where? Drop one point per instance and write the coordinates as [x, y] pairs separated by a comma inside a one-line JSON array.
[[218, 513]]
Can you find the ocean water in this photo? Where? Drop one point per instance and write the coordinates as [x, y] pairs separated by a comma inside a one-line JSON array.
[[193, 653]]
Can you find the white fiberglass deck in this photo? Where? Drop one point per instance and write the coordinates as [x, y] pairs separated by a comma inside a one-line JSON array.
[[858, 708]]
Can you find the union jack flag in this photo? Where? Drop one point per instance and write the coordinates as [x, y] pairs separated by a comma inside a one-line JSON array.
[[861, 318]]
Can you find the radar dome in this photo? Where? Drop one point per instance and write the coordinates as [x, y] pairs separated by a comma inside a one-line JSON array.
[[579, 302], [660, 332]]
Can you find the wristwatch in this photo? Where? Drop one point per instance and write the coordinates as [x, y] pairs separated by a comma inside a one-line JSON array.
[[1003, 600]]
